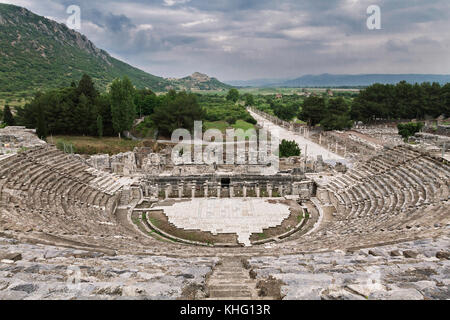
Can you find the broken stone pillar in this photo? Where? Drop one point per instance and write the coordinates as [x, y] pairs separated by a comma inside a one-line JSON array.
[[269, 190], [219, 191], [231, 191], [244, 191], [280, 190], [193, 190], [167, 191], [258, 191], [180, 190], [205, 188]]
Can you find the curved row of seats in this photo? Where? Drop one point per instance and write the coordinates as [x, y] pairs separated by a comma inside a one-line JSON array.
[[43, 189], [400, 193]]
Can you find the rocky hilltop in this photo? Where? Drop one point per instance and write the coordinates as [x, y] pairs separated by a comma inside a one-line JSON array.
[[198, 82], [37, 53]]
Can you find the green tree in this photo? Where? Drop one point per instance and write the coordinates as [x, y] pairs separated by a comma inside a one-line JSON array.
[[289, 149], [283, 111], [313, 111], [233, 95], [445, 97], [407, 130], [123, 110], [177, 112], [249, 100], [8, 117], [86, 87], [41, 127], [100, 126], [146, 102], [337, 116]]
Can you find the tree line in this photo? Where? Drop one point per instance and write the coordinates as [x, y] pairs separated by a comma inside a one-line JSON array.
[[82, 110], [402, 101]]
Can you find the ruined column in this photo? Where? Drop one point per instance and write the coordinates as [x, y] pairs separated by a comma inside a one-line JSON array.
[[231, 191], [269, 190], [258, 191], [193, 187], [244, 190], [156, 191], [167, 191], [180, 190], [219, 191], [205, 187], [280, 190]]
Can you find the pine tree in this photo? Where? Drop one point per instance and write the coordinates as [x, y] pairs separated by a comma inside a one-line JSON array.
[[8, 118], [41, 129], [99, 126], [86, 87], [123, 109]]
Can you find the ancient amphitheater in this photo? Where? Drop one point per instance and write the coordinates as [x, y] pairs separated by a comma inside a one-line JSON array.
[[136, 226]]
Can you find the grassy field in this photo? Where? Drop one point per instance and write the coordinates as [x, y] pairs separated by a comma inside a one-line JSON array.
[[240, 124], [219, 125], [92, 145], [290, 91], [223, 125]]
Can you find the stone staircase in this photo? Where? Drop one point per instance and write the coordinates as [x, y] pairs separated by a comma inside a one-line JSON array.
[[231, 281]]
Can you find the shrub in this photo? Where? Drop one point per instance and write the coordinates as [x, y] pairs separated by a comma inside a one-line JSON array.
[[289, 149], [407, 130]]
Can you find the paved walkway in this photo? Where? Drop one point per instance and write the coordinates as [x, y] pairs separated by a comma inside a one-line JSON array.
[[243, 217], [314, 149]]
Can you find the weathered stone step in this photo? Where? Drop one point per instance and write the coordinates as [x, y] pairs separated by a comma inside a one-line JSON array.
[[228, 287], [230, 294], [232, 273], [231, 269]]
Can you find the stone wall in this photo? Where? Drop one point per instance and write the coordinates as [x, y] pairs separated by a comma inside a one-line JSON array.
[[228, 186], [13, 139]]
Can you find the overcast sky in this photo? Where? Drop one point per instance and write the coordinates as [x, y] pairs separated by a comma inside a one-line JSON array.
[[248, 39]]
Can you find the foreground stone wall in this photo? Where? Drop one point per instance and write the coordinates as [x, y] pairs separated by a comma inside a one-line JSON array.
[[414, 270], [46, 272]]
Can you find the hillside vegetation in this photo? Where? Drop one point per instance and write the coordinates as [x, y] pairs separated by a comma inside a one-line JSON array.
[[40, 54]]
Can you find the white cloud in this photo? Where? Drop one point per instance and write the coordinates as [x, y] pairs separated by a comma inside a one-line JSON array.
[[171, 3], [196, 23], [144, 27]]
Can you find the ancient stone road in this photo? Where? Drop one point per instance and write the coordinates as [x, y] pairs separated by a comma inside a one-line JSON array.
[[314, 149]]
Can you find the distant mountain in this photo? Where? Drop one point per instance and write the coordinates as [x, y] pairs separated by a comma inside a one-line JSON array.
[[199, 81], [38, 53], [330, 80], [256, 82]]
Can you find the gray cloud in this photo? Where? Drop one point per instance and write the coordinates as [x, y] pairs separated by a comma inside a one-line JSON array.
[[245, 39]]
